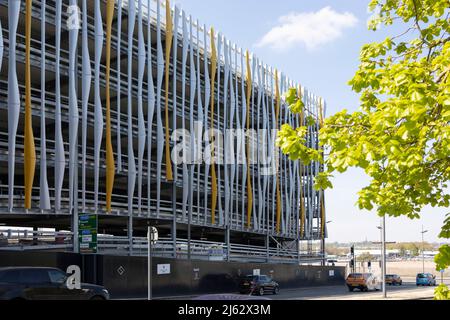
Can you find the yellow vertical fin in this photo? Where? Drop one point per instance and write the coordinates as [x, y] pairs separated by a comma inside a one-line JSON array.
[[110, 165], [30, 151]]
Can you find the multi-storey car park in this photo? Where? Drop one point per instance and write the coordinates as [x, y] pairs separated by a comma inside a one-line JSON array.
[[90, 99]]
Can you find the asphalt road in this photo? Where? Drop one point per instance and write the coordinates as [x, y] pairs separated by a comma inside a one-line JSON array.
[[408, 290]]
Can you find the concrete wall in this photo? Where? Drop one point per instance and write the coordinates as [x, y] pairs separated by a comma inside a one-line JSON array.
[[126, 277]]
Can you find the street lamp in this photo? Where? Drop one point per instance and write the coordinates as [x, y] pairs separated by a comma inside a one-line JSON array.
[[383, 255], [323, 245], [423, 247]]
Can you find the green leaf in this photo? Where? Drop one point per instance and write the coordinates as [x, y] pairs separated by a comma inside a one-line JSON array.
[[291, 96], [416, 96]]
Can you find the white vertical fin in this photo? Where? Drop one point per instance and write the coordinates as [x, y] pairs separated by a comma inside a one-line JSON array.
[[98, 113], [131, 158], [74, 116], [183, 120], [60, 159], [86, 89], [151, 107], [119, 86], [13, 97], [141, 121], [44, 195], [159, 129]]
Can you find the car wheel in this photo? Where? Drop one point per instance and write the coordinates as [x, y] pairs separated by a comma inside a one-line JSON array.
[[261, 291], [350, 289], [276, 290], [97, 298], [401, 282]]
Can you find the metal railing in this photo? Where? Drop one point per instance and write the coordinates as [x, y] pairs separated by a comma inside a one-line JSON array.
[[27, 240]]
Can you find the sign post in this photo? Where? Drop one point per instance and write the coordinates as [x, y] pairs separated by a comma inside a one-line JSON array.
[[87, 233], [152, 237]]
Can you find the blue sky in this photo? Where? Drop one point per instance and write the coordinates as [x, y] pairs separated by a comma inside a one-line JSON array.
[[320, 49]]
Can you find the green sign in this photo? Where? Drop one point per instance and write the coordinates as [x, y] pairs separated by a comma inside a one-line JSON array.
[[87, 233]]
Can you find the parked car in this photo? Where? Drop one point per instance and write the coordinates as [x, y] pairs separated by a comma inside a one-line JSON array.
[[363, 282], [393, 279], [425, 279], [39, 283], [258, 285]]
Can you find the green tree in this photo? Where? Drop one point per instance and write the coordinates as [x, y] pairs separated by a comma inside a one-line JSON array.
[[403, 252], [400, 136], [365, 257], [414, 249]]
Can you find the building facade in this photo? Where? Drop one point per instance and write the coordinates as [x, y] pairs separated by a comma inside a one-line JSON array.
[[135, 112]]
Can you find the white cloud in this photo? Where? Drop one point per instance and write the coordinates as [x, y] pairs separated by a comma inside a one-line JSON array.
[[311, 29]]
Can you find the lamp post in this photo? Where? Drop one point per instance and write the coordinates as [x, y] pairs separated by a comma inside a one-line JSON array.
[[383, 255], [423, 247], [323, 246]]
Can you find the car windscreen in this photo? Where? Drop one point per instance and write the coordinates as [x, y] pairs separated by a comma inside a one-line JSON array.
[[250, 278], [355, 275], [57, 276], [421, 275]]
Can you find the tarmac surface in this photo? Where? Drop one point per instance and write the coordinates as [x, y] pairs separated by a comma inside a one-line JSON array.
[[407, 291]]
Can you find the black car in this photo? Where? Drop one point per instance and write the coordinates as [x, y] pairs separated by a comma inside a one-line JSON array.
[[36, 283], [258, 285]]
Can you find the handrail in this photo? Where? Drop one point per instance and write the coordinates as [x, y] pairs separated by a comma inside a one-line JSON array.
[[22, 239]]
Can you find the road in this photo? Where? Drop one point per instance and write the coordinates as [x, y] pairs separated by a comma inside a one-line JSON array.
[[408, 290]]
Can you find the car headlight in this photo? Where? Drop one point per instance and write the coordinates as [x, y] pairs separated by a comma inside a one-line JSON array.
[[105, 291]]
